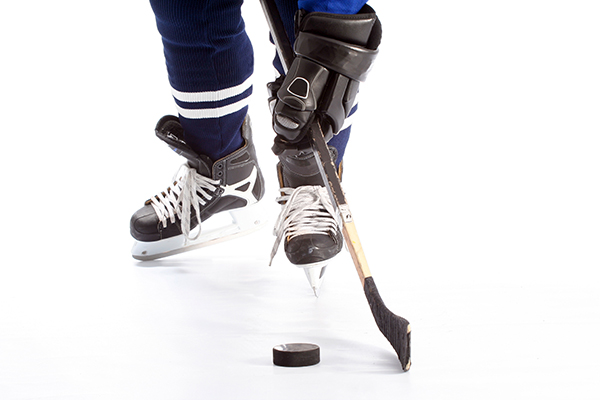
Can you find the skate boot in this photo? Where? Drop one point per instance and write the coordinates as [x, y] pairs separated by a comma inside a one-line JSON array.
[[173, 221], [308, 223]]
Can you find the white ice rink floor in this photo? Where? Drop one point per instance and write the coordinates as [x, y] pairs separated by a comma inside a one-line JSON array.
[[473, 174]]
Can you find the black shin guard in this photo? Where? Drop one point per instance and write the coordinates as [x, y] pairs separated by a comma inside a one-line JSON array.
[[334, 52]]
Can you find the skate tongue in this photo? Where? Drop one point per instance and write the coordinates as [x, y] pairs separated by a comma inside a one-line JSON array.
[[170, 131], [202, 164]]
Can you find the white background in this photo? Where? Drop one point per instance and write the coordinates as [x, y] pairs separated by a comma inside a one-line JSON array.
[[473, 174]]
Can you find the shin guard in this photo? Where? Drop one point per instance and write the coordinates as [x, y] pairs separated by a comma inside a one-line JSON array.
[[334, 53]]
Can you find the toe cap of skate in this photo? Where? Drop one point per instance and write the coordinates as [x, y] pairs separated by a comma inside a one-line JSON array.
[[308, 249]]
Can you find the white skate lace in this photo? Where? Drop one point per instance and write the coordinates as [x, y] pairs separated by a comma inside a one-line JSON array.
[[189, 190], [307, 210]]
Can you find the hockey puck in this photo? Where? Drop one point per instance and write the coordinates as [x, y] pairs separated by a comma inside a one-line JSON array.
[[296, 355]]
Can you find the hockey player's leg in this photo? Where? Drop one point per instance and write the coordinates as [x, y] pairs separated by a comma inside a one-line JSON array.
[[209, 61], [334, 53]]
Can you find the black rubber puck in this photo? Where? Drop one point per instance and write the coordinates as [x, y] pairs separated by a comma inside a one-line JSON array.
[[296, 355]]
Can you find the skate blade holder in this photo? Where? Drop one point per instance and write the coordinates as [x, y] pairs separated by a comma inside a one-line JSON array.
[[219, 228]]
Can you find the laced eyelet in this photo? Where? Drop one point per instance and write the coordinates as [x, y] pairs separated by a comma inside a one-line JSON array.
[[188, 193], [305, 210]]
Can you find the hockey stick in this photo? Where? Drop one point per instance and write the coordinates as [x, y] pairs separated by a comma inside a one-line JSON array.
[[396, 329]]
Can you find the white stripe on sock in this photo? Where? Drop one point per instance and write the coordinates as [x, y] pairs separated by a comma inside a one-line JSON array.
[[347, 122], [218, 95], [212, 112]]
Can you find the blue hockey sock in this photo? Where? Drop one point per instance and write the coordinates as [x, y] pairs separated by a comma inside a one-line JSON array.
[[332, 6], [210, 62]]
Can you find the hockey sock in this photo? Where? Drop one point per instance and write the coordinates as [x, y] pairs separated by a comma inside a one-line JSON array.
[[332, 6], [210, 62], [340, 141]]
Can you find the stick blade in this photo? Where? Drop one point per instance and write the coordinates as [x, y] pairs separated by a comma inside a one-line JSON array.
[[396, 329]]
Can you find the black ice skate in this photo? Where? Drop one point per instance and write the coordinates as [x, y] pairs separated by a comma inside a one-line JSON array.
[[171, 222], [308, 220]]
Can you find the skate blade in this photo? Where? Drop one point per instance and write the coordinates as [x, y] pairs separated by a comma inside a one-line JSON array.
[[315, 274], [244, 222]]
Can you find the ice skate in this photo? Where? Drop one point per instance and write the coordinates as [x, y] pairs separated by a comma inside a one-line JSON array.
[[175, 221], [308, 222]]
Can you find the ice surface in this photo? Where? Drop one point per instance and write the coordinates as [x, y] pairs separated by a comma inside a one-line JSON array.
[[472, 174]]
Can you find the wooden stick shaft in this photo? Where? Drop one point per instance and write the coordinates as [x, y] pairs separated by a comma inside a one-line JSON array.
[[356, 251], [334, 186]]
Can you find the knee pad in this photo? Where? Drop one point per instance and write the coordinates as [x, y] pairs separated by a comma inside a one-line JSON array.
[[334, 53]]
